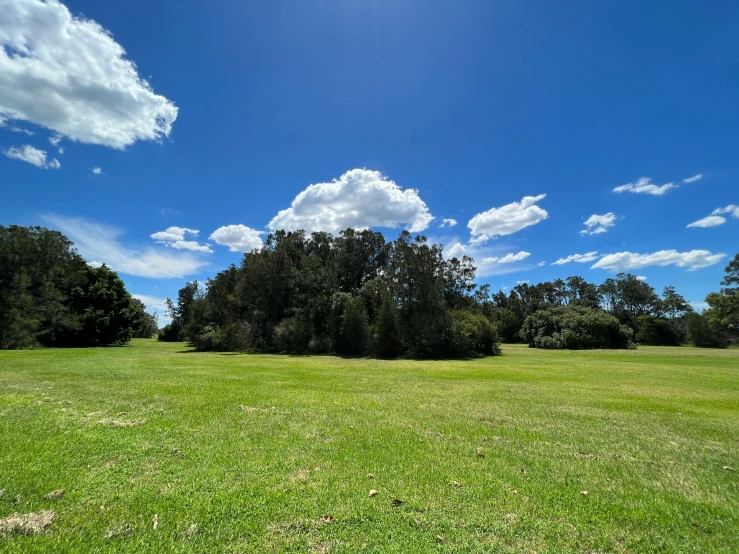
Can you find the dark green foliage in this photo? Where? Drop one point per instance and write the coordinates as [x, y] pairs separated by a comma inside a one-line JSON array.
[[292, 335], [656, 331], [108, 312], [352, 294], [387, 334], [473, 334], [354, 327], [704, 333], [49, 296], [575, 328]]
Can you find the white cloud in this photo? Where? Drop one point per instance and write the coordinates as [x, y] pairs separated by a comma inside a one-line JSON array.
[[99, 242], [239, 238], [55, 139], [174, 234], [716, 218], [693, 179], [641, 278], [174, 237], [579, 258], [488, 260], [542, 264], [360, 199], [448, 222], [623, 261], [152, 303], [96, 171], [456, 250], [508, 258], [31, 155], [597, 224], [525, 282], [643, 185], [507, 219], [191, 245], [67, 74]]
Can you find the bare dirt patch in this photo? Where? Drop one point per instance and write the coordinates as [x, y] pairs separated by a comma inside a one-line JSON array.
[[27, 524]]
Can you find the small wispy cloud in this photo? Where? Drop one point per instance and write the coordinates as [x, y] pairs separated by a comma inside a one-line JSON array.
[[578, 258], [693, 179], [597, 224], [644, 186], [448, 222], [96, 171], [31, 155], [717, 217]]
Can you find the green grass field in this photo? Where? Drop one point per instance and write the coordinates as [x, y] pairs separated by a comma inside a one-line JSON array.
[[256, 453]]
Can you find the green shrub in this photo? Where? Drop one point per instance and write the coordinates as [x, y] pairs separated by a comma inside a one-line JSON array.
[[575, 328]]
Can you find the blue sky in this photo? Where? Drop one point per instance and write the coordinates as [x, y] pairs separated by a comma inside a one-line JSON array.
[[517, 120]]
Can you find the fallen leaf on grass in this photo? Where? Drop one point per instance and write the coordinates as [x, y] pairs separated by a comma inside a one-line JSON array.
[[54, 495], [370, 476], [584, 493], [27, 524], [456, 483], [398, 502], [2, 493], [328, 519], [523, 470], [192, 529], [155, 523], [439, 538], [729, 468], [372, 493], [479, 453]]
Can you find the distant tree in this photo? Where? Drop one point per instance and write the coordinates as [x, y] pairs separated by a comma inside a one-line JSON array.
[[704, 333], [387, 334], [656, 331], [673, 304], [145, 325], [354, 327], [109, 312], [731, 280], [722, 316]]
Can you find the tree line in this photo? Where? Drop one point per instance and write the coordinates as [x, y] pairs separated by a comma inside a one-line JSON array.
[[49, 296], [354, 294], [357, 294]]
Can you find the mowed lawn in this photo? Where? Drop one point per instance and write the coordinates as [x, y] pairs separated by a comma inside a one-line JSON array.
[[256, 453]]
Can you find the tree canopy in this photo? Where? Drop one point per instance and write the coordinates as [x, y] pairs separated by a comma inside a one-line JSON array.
[[49, 296]]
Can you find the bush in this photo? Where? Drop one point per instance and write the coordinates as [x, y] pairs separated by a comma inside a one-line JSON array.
[[575, 328], [473, 334]]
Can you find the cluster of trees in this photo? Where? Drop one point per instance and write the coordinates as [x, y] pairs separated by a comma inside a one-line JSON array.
[[635, 312], [358, 294], [718, 326], [49, 296], [353, 294]]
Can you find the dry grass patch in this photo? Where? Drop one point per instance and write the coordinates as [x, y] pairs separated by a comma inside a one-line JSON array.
[[27, 524]]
